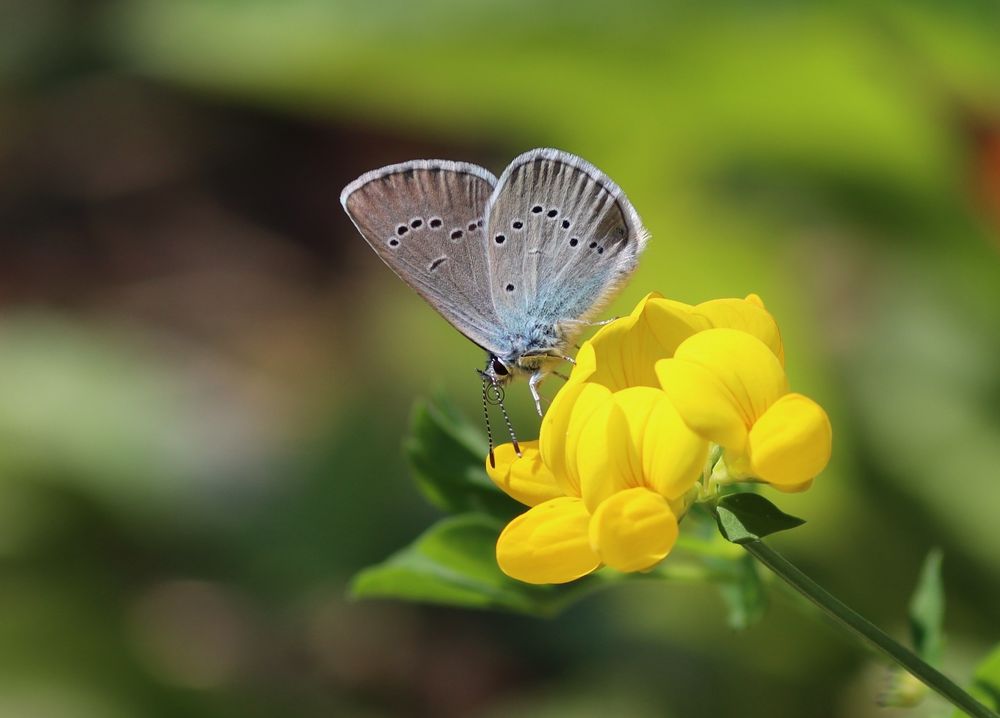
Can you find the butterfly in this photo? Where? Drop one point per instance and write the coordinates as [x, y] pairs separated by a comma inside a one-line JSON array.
[[518, 265]]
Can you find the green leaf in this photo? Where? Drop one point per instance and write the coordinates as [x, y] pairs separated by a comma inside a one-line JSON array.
[[986, 682], [744, 595], [454, 563], [927, 610], [749, 517], [926, 633], [447, 456]]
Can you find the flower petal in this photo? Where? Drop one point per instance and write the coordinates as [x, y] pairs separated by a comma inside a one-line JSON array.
[[548, 544], [791, 442], [560, 431], [633, 529], [755, 300], [721, 381], [747, 315], [622, 354], [524, 478], [673, 456], [606, 459], [638, 439]]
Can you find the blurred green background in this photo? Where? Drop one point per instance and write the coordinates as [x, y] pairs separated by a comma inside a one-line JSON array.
[[205, 373]]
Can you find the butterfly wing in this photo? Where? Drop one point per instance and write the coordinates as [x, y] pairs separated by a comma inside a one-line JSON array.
[[561, 237], [425, 219]]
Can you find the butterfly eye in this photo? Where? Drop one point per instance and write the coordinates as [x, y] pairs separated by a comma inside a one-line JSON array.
[[498, 368]]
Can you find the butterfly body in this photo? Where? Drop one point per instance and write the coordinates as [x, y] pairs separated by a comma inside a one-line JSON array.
[[518, 265]]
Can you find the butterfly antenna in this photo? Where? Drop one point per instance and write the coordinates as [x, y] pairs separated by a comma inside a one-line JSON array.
[[493, 394], [489, 432], [506, 419]]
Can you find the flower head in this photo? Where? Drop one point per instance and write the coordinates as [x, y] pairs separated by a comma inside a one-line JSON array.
[[731, 389], [606, 483], [622, 450]]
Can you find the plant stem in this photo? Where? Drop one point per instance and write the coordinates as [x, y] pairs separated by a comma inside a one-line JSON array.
[[866, 630]]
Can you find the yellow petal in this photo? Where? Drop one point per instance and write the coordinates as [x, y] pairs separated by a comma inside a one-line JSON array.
[[586, 363], [605, 455], [635, 439], [721, 381], [747, 315], [548, 544], [673, 456], [755, 299], [606, 338], [525, 478], [633, 529], [622, 354], [791, 442], [560, 431], [793, 488]]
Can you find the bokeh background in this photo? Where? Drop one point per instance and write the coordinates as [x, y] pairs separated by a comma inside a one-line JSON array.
[[205, 373]]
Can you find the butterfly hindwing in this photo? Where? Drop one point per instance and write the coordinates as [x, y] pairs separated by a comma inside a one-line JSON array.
[[561, 238], [426, 220]]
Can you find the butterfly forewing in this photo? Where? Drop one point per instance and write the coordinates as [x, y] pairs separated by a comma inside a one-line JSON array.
[[561, 238], [425, 219]]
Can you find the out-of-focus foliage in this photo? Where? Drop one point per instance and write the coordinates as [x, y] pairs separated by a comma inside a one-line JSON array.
[[454, 563], [446, 458], [206, 374], [986, 682], [927, 610], [926, 635]]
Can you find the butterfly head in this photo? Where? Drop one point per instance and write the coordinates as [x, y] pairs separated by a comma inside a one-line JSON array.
[[499, 371]]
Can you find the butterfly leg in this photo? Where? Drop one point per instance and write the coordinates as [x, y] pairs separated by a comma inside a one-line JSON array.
[[585, 323], [533, 383]]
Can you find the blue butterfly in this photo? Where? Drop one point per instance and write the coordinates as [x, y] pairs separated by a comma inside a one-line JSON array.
[[518, 265]]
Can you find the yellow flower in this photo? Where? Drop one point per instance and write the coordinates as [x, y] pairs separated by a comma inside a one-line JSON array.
[[732, 390], [624, 444], [624, 353], [606, 482]]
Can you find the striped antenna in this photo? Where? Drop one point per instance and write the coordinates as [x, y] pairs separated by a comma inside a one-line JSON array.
[[493, 394], [486, 416]]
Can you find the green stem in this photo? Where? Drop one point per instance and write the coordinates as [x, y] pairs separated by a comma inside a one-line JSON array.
[[866, 630]]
